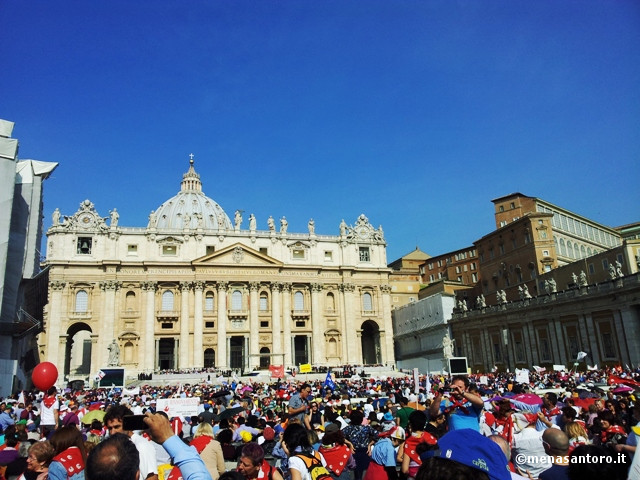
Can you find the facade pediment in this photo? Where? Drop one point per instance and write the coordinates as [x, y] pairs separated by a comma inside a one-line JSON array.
[[238, 254]]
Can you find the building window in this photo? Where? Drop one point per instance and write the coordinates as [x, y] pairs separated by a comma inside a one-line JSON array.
[[236, 300], [592, 269], [298, 301], [210, 249], [298, 253], [605, 264], [458, 269], [473, 265], [501, 248], [167, 301], [465, 267], [460, 278], [209, 324], [501, 208], [547, 268], [167, 325], [169, 250], [421, 269], [364, 254], [474, 277], [208, 302], [545, 253], [82, 301], [503, 223], [84, 245], [328, 256], [432, 278], [439, 263], [264, 302], [512, 205], [132, 249], [430, 265], [367, 304], [263, 250]]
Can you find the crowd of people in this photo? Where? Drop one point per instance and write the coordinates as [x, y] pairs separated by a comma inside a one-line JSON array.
[[461, 427]]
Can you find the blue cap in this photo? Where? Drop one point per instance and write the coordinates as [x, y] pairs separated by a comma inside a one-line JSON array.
[[470, 448]]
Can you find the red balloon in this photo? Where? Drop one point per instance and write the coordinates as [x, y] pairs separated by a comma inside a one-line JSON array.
[[44, 376]]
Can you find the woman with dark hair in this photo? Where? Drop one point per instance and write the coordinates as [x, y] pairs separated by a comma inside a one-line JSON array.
[[70, 454], [253, 465], [416, 443], [302, 457], [361, 436], [225, 437], [337, 454]]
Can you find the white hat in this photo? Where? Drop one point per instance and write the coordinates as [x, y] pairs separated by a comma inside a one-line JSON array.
[[63, 407], [398, 433]]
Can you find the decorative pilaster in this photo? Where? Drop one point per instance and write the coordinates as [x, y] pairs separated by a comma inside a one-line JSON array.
[[185, 288], [254, 327], [276, 327], [149, 341], [286, 322], [221, 354], [53, 327], [198, 325], [318, 351], [387, 320], [109, 289], [352, 345]]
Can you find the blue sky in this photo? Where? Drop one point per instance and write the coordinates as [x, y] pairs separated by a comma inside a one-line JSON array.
[[416, 113]]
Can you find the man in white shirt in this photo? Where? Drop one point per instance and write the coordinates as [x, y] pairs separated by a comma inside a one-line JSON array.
[[148, 461]]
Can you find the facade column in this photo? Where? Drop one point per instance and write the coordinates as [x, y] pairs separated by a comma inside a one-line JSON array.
[[221, 354], [286, 322], [620, 337], [109, 288], [276, 327], [594, 344], [387, 319], [149, 362], [157, 353], [630, 325], [254, 326], [198, 326], [54, 324], [317, 353], [185, 288], [352, 341], [342, 321]]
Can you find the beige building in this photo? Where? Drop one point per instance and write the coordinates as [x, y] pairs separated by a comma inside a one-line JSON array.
[[405, 278], [194, 288]]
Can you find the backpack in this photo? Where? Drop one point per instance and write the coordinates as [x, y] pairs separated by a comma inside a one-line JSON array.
[[317, 471]]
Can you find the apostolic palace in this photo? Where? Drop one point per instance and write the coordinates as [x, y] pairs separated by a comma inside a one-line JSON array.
[[194, 288]]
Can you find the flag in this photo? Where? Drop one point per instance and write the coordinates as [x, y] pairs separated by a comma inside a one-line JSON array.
[[495, 368], [305, 368], [623, 381], [277, 371], [539, 369], [101, 375], [21, 398], [581, 355], [329, 383], [595, 367]]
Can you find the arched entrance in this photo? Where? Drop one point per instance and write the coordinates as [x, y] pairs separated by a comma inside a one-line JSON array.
[[166, 354], [78, 350], [265, 358], [370, 339], [209, 358], [236, 353]]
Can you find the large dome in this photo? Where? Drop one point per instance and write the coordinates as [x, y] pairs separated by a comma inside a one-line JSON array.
[[190, 208]]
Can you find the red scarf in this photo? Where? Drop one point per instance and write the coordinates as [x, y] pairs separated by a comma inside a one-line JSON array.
[[201, 442], [49, 400], [550, 413], [456, 404], [336, 457], [71, 460], [413, 441]]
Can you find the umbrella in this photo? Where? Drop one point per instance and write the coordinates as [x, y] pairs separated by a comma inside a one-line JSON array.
[[93, 415], [230, 412], [623, 389]]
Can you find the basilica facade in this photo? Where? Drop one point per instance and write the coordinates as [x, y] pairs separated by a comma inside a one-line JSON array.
[[195, 289]]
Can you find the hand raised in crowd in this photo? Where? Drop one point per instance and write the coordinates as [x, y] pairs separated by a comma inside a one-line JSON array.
[[159, 427]]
